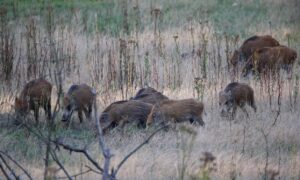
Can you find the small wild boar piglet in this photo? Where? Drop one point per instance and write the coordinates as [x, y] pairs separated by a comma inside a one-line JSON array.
[[121, 112], [176, 111], [36, 93], [149, 95], [236, 95], [79, 98]]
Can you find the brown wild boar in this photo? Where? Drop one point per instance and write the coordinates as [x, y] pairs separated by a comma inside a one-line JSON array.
[[250, 45], [36, 93], [79, 98], [149, 95], [176, 111], [271, 60], [121, 112], [236, 95]]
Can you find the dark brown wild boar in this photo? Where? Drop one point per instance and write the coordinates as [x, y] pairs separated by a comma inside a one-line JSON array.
[[176, 111], [249, 46], [236, 95], [149, 95], [79, 98], [271, 60], [121, 112], [36, 93]]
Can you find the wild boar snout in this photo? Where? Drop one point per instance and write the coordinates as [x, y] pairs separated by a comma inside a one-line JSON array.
[[66, 115]]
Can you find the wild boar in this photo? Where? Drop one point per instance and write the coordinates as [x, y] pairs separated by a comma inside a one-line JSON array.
[[79, 98], [270, 60], [36, 93], [149, 95], [176, 111], [249, 46], [236, 95], [121, 112]]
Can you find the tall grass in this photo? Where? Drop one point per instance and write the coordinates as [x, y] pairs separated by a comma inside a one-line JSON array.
[[182, 48]]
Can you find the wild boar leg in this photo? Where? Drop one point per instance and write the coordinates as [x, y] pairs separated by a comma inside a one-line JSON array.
[[245, 111], [36, 113], [90, 108], [199, 121], [87, 113], [252, 104], [80, 116], [289, 71], [233, 112], [47, 108]]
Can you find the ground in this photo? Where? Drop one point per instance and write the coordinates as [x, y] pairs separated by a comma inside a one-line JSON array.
[[181, 48]]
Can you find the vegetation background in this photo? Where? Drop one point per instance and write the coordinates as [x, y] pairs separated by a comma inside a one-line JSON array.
[[180, 47]]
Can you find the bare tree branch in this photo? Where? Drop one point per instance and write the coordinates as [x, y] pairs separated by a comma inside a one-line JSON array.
[[17, 164], [78, 150], [114, 172], [54, 157], [67, 147], [105, 150], [8, 167], [82, 173], [93, 170], [75, 175], [4, 172]]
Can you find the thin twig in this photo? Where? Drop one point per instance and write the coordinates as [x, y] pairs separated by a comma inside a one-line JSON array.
[[78, 150], [48, 142], [105, 150], [75, 175], [265, 135], [135, 150], [4, 172], [276, 117], [82, 173], [8, 167], [93, 170], [68, 147], [54, 157], [16, 163]]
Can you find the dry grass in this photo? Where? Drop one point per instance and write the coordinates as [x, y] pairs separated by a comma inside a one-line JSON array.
[[155, 59]]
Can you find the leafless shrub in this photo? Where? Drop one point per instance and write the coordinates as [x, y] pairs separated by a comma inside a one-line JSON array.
[[7, 41], [185, 142], [31, 49], [69, 52], [296, 90], [207, 168], [8, 170], [199, 86]]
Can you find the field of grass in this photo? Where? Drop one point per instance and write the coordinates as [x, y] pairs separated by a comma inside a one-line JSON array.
[[179, 47]]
